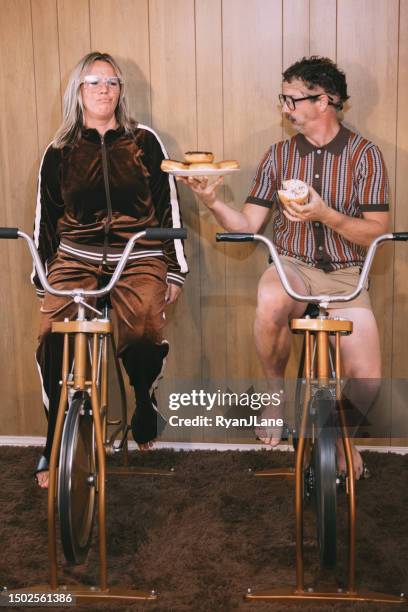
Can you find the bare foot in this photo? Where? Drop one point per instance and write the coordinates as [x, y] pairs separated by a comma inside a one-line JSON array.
[[42, 479], [341, 460], [271, 434]]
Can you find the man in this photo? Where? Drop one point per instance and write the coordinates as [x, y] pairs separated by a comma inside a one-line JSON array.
[[323, 243]]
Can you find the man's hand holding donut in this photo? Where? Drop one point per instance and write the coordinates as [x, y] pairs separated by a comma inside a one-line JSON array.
[[315, 209]]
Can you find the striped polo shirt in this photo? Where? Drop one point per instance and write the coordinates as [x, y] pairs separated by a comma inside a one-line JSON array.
[[349, 174]]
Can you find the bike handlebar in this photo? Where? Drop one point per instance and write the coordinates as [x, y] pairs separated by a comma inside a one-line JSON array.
[[164, 233], [231, 237], [149, 234], [8, 232], [322, 300], [400, 236]]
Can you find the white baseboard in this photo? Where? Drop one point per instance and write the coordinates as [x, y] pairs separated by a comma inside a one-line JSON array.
[[22, 441], [178, 446]]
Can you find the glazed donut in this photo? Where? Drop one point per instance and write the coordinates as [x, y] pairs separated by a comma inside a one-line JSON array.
[[202, 166], [168, 165], [228, 164], [198, 157], [294, 190]]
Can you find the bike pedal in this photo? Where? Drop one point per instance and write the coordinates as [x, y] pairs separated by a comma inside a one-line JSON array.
[[366, 472], [341, 480]]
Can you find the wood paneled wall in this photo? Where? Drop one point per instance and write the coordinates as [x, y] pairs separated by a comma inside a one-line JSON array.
[[205, 74]]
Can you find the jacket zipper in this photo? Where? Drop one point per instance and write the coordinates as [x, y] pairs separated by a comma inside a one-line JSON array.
[[108, 201]]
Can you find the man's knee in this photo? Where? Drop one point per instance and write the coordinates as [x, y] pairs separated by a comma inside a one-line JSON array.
[[274, 306]]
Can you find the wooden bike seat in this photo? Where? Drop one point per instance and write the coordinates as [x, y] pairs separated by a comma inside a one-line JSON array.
[[87, 327], [325, 325]]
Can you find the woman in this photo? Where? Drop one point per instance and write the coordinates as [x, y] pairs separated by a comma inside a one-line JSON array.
[[99, 183]]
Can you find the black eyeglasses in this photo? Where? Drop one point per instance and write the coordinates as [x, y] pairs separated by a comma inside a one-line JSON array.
[[291, 102]]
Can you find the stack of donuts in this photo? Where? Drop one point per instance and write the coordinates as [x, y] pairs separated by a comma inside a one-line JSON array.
[[198, 160]]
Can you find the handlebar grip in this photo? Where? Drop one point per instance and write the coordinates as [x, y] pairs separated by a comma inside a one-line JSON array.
[[400, 236], [164, 233], [9, 232], [234, 237]]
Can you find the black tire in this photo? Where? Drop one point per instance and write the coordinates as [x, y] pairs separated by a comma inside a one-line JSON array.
[[77, 480], [324, 475]]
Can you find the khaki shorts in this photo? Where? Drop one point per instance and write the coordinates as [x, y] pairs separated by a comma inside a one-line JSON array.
[[338, 282]]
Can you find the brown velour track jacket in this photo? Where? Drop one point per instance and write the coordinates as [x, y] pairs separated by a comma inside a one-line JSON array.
[[94, 195]]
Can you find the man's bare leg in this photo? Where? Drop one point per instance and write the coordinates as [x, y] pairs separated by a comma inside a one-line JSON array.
[[361, 354], [361, 363], [273, 339]]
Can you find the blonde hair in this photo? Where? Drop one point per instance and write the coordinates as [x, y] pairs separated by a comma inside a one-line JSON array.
[[70, 129]]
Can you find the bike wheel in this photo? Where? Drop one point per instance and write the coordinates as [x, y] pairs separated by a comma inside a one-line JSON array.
[[77, 480], [324, 475]]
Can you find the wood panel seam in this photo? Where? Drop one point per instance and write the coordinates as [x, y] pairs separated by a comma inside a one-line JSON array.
[[35, 83], [90, 27], [59, 54], [150, 64], [396, 176], [224, 191], [337, 22], [196, 70]]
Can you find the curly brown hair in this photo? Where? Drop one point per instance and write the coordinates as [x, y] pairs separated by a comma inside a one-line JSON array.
[[319, 71]]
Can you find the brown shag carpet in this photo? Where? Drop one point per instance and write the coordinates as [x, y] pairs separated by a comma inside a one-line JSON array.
[[202, 537]]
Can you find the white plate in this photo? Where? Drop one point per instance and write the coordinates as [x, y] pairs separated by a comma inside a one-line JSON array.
[[209, 172]]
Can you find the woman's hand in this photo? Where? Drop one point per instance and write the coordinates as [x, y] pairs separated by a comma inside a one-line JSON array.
[[202, 189], [172, 293]]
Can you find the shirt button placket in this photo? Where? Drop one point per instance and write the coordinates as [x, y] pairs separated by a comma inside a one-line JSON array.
[[317, 184]]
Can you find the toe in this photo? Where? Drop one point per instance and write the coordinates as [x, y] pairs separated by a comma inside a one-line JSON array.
[[42, 480], [145, 446]]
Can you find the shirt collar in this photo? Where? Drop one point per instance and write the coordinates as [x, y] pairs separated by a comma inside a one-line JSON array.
[[335, 146], [94, 136]]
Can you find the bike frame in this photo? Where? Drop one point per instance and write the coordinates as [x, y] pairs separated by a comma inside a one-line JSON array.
[[96, 334], [320, 328]]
